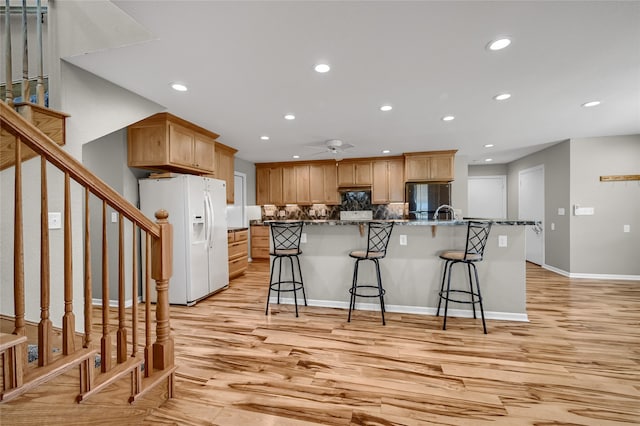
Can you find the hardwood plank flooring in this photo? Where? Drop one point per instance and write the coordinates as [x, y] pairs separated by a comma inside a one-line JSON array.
[[577, 361]]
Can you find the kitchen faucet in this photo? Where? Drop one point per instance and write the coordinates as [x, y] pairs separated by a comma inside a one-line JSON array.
[[444, 206]]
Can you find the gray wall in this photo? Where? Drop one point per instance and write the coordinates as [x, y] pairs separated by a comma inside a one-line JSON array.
[[556, 186], [249, 169], [598, 243], [107, 158], [488, 170], [459, 187]]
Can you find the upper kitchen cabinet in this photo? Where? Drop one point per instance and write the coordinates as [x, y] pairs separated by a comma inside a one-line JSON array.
[[355, 173], [166, 142], [388, 181], [434, 166], [225, 158], [323, 183], [269, 185]]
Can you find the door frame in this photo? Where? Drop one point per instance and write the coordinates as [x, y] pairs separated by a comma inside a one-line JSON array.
[[538, 168]]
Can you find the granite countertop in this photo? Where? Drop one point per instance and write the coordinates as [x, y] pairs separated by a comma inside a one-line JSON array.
[[405, 222]]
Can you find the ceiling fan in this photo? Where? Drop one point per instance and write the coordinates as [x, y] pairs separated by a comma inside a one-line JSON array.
[[332, 146]]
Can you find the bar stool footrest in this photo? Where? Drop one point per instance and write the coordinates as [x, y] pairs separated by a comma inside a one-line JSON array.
[[354, 290], [475, 296]]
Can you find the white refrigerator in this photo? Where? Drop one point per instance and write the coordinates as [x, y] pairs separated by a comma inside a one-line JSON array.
[[197, 211]]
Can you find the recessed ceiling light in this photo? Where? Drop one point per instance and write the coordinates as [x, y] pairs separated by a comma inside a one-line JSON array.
[[385, 151], [322, 68], [179, 87], [289, 117], [448, 118], [386, 108], [502, 96], [488, 160], [296, 156], [499, 44], [264, 138], [489, 145], [591, 104]]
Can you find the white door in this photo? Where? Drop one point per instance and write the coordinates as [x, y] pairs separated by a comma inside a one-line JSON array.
[[487, 197], [531, 207]]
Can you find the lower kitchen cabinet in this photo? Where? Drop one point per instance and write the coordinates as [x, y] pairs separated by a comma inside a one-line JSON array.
[[259, 242], [238, 251]]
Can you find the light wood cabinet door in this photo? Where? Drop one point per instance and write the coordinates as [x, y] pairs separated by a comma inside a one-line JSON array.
[[388, 181], [259, 242], [331, 195], [363, 173], [302, 184], [288, 185], [263, 184], [380, 187], [346, 175], [225, 165], [205, 153], [181, 151], [417, 168], [316, 183], [275, 186], [396, 180]]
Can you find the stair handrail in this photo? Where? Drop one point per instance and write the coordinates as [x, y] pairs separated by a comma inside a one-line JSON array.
[[15, 124]]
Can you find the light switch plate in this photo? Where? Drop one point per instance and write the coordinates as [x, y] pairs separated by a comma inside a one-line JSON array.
[[403, 240], [55, 220], [561, 211], [626, 228], [114, 217], [303, 237], [553, 226], [502, 240]]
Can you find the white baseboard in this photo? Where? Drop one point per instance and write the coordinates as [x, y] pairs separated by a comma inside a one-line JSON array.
[[403, 309], [114, 303], [592, 276]]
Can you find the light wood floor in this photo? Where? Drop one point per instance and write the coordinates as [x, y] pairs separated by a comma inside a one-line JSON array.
[[576, 362]]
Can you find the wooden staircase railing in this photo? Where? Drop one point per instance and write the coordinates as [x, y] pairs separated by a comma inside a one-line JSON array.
[[119, 355]]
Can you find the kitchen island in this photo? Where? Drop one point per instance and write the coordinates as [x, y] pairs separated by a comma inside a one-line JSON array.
[[412, 273]]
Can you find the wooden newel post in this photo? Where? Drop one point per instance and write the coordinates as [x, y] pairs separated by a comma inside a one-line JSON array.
[[161, 271]]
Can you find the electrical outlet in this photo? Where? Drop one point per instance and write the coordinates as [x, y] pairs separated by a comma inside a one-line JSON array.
[[55, 220], [303, 237], [626, 228], [502, 241], [114, 217], [403, 240], [553, 226], [561, 211]]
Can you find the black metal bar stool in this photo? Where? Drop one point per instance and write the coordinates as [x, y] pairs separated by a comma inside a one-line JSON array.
[[477, 235], [285, 237], [378, 239]]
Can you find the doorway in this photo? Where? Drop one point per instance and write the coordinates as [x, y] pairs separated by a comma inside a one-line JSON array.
[[531, 207], [487, 197]]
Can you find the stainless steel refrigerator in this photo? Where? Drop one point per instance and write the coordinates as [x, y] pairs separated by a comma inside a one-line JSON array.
[[197, 210]]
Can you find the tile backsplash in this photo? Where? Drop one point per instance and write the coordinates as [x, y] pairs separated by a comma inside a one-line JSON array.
[[325, 212]]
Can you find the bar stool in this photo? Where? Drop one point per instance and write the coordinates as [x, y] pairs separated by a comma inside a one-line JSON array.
[[378, 239], [285, 237], [477, 235]]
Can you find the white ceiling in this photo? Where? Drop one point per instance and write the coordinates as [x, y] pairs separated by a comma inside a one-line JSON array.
[[248, 63]]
